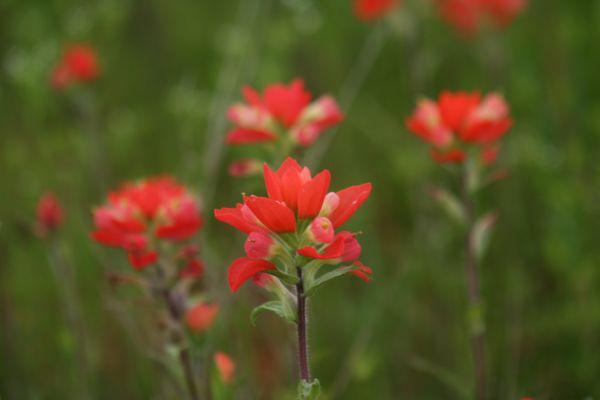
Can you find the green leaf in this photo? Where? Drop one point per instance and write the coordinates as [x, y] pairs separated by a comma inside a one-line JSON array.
[[481, 233], [277, 307], [451, 205], [312, 286], [286, 278], [309, 390]]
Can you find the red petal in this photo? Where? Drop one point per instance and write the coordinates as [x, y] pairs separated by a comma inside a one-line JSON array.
[[363, 272], [234, 217], [333, 251], [272, 183], [243, 269], [350, 200], [245, 136], [450, 156], [141, 259], [273, 214], [455, 107], [312, 194]]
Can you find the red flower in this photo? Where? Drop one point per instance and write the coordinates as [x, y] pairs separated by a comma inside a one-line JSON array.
[[460, 120], [281, 108], [298, 205], [201, 317], [78, 64], [49, 213], [155, 207], [368, 10], [469, 15], [245, 167], [225, 366]]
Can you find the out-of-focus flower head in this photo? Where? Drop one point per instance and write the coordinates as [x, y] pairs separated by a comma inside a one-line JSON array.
[[201, 317], [141, 213], [459, 121], [49, 214], [282, 114], [469, 15], [225, 366], [299, 216], [369, 10], [78, 64]]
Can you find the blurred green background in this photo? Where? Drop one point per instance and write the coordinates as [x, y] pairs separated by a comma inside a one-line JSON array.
[[169, 70]]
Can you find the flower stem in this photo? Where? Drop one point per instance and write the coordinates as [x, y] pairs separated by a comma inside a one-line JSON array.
[[302, 325], [184, 355], [476, 325]]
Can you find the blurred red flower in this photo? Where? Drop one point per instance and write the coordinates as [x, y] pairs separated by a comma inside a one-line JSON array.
[[368, 10], [468, 15], [461, 120], [49, 213], [283, 112], [296, 199], [139, 212], [201, 317], [225, 366], [79, 63]]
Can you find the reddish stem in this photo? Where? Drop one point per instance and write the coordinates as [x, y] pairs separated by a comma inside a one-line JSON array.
[[474, 294], [302, 322]]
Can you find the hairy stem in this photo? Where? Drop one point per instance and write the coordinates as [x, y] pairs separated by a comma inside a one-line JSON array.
[[477, 331], [302, 322], [184, 354]]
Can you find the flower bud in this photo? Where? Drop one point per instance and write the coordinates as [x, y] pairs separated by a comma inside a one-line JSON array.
[[201, 317], [245, 167], [330, 203], [225, 366], [260, 245], [320, 230], [49, 213], [352, 248]]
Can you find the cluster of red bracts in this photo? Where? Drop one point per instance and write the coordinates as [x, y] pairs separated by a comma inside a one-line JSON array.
[[459, 121], [49, 214], [142, 213], [283, 114], [78, 64], [299, 217], [465, 15]]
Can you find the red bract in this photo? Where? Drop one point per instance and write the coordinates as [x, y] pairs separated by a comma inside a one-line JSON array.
[[139, 213], [469, 15], [225, 366], [79, 63], [458, 121], [282, 112], [298, 215], [49, 213], [201, 317], [368, 10]]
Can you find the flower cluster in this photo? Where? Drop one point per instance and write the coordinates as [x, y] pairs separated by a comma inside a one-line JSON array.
[[283, 114], [78, 64], [468, 15], [368, 10], [294, 226], [139, 214], [49, 214], [460, 121]]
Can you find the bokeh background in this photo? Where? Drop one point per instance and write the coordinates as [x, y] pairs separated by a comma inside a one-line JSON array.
[[169, 71]]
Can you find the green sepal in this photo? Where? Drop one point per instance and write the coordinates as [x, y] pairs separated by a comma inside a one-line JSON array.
[[309, 390], [326, 277], [276, 306], [285, 277]]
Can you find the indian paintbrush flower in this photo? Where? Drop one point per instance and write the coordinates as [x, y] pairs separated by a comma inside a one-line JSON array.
[[283, 115], [461, 121], [368, 10], [291, 239], [49, 214], [79, 64]]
